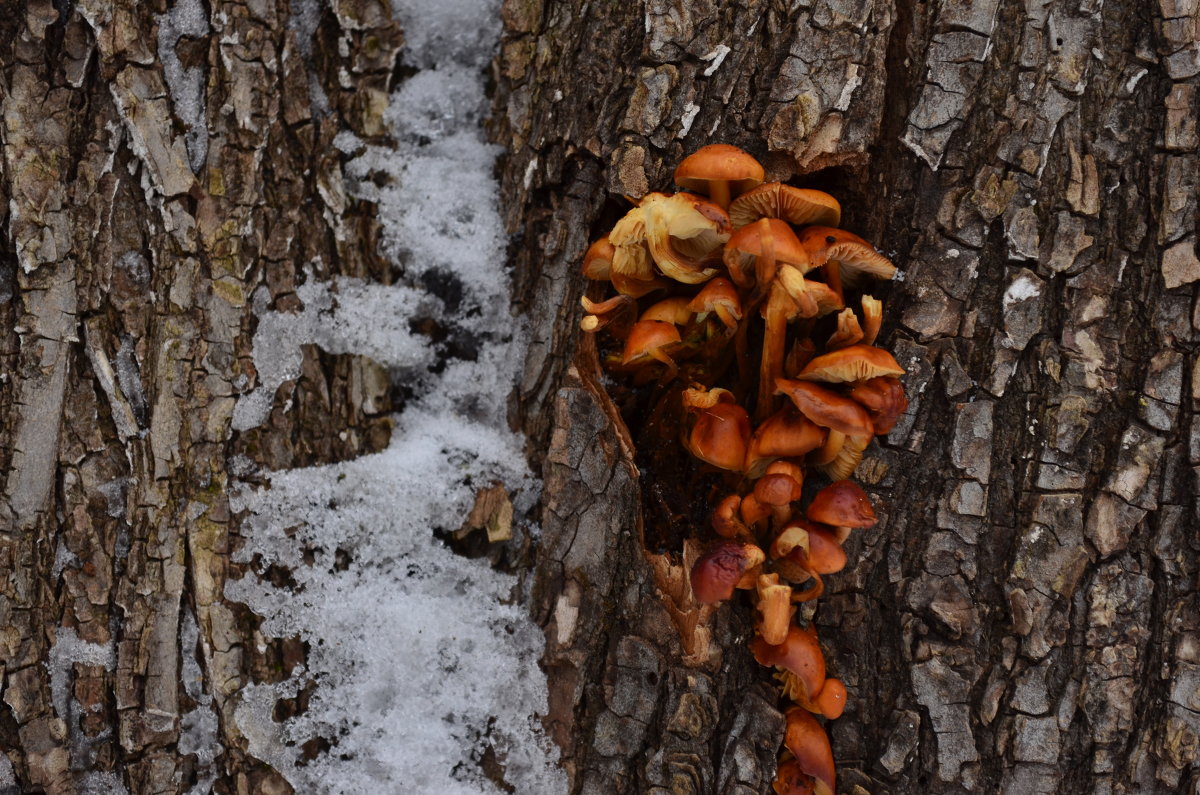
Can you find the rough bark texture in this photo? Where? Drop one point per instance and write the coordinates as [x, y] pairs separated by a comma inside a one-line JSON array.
[[138, 227], [1025, 619]]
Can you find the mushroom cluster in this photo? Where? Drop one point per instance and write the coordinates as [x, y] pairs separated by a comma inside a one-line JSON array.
[[748, 298]]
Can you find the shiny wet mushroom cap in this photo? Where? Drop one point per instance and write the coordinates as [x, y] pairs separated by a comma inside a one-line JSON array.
[[727, 566], [719, 171], [808, 742]]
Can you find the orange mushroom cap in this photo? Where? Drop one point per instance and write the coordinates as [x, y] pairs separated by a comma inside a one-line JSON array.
[[785, 434], [647, 337], [725, 519], [721, 435], [800, 654], [685, 235], [720, 296], [824, 554], [831, 701], [758, 248], [808, 742], [597, 261], [798, 206], [842, 504], [855, 363], [719, 171], [669, 310], [885, 400], [723, 569], [855, 255], [826, 407]]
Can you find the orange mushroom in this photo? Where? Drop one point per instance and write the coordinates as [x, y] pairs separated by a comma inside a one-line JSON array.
[[809, 744], [843, 505], [721, 297], [785, 434], [721, 434], [797, 206], [841, 415], [719, 171], [775, 609], [650, 340], [884, 399], [855, 363]]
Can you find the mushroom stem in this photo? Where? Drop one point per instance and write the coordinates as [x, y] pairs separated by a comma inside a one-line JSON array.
[[833, 278], [774, 347], [718, 192], [829, 450]]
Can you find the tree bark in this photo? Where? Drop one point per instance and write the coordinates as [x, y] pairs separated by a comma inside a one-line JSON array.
[[137, 227], [1024, 620], [1025, 617]]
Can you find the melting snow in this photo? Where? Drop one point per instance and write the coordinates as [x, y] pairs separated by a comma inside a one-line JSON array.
[[425, 663]]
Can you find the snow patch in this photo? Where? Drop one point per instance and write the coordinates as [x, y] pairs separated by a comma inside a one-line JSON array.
[[425, 663], [1022, 289], [186, 86]]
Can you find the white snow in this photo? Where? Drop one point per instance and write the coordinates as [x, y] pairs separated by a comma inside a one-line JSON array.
[[186, 18], [425, 663], [1022, 289]]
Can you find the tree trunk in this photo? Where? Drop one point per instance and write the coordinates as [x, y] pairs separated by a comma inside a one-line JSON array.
[[1025, 618], [162, 165]]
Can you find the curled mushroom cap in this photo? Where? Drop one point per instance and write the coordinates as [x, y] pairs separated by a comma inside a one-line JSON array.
[[721, 297], [597, 262], [775, 608], [848, 332], [719, 171], [726, 520], [785, 434], [721, 434], [855, 363], [831, 701], [685, 235], [798, 206], [809, 546], [799, 654], [757, 249], [651, 340], [669, 310], [808, 742], [856, 256], [842, 504], [727, 566], [825, 407], [885, 400], [631, 270]]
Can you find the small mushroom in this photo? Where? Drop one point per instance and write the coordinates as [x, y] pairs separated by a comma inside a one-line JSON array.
[[721, 297], [848, 332], [844, 255], [651, 340], [669, 310], [719, 171], [597, 261], [843, 505], [841, 415], [831, 701], [775, 609], [760, 248], [785, 434], [809, 744], [799, 654], [727, 566], [726, 519], [872, 319], [797, 206], [856, 363], [616, 311], [721, 434], [631, 269]]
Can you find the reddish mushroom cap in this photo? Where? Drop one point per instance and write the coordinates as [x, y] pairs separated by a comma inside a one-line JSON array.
[[766, 239], [717, 574], [826, 407], [800, 654], [885, 400], [842, 504], [790, 779], [721, 435], [808, 742]]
